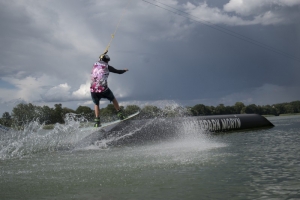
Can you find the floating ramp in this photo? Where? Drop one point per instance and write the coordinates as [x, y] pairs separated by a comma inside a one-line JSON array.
[[211, 123], [221, 123], [142, 130]]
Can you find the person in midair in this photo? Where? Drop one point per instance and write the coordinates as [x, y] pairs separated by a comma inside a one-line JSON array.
[[99, 86]]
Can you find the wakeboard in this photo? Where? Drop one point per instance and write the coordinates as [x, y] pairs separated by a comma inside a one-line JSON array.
[[108, 124], [93, 133]]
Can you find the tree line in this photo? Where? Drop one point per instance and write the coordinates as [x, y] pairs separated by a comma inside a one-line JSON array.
[[27, 112]]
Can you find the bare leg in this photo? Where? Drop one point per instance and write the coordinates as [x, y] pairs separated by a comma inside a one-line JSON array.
[[97, 118], [116, 104], [97, 110], [117, 107]]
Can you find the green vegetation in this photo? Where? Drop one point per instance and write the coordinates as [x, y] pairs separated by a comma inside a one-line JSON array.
[[24, 113]]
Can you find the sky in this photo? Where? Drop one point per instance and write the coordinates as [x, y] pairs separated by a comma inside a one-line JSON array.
[[182, 52]]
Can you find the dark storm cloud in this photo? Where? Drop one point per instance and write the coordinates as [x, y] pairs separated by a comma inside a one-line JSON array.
[[48, 47]]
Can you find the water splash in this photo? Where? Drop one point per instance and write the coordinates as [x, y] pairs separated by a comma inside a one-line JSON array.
[[161, 135], [117, 136], [189, 144], [171, 109], [33, 138], [184, 132]]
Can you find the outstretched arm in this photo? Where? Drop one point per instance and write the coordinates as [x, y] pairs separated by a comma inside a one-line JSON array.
[[117, 71]]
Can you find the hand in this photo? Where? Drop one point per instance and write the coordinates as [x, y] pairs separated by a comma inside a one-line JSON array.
[[126, 70]]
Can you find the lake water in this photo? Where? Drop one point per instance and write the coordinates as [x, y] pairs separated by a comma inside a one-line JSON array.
[[253, 164]]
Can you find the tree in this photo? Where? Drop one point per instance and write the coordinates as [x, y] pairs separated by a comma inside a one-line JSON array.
[[131, 109], [280, 108], [151, 111], [173, 111], [47, 115], [212, 110], [220, 109], [6, 119], [66, 110], [252, 108], [108, 111], [200, 109], [289, 108], [169, 111], [266, 110], [86, 111], [296, 106], [229, 110], [23, 113], [58, 114], [238, 106], [6, 115]]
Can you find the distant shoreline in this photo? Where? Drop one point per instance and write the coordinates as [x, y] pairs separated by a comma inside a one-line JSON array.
[[288, 114]]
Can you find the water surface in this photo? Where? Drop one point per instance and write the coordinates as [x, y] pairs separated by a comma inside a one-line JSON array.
[[253, 164]]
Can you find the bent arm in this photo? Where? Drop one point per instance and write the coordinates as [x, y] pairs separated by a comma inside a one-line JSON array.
[[117, 71]]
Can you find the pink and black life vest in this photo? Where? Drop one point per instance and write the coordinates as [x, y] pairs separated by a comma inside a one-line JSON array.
[[99, 76]]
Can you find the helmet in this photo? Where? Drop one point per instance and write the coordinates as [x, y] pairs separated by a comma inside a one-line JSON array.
[[104, 57]]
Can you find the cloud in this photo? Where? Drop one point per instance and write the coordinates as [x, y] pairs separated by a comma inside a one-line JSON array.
[[214, 15], [43, 89], [263, 12], [257, 7], [27, 88], [44, 37], [58, 93], [83, 92], [266, 94], [47, 49], [64, 92], [263, 95]]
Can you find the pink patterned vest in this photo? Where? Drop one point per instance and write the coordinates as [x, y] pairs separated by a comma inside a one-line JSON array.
[[99, 76]]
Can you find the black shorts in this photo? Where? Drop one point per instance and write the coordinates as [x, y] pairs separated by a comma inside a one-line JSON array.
[[107, 94]]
